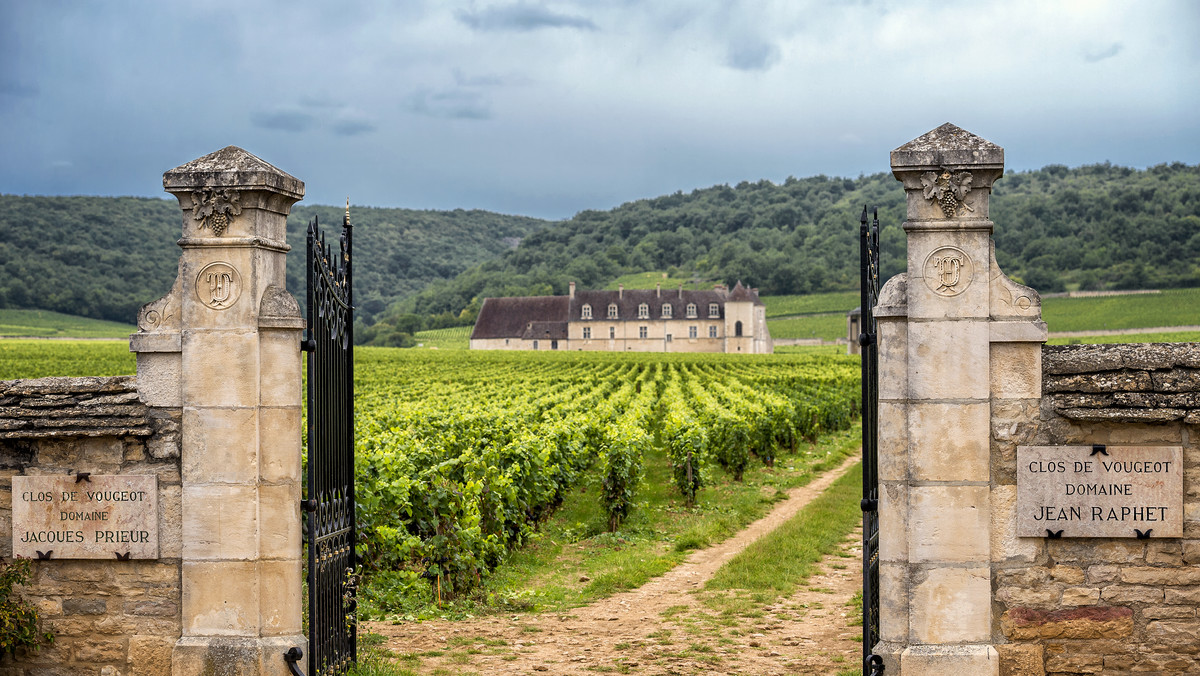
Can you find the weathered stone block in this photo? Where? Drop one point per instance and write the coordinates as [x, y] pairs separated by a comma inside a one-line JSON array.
[[1021, 659], [893, 522], [1179, 633], [1103, 382], [84, 606], [1170, 576], [946, 358], [893, 441], [1131, 594], [1190, 595], [1080, 596], [220, 598], [1016, 370], [151, 655], [1005, 544], [210, 359], [949, 523], [220, 522], [951, 605], [1168, 612], [893, 602], [1087, 622], [950, 660], [948, 442], [220, 445], [281, 605], [1076, 663], [279, 444]]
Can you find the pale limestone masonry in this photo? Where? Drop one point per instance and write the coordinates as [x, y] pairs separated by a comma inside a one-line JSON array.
[[964, 380], [1101, 605], [224, 345], [114, 617], [956, 339]]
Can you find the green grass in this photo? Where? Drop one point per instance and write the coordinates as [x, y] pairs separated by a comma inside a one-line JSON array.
[[784, 558], [548, 574], [453, 338], [44, 323], [37, 358], [824, 326], [836, 301], [648, 280], [1172, 307], [1169, 337]]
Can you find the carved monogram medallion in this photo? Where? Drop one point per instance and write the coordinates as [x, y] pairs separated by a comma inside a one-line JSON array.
[[214, 208], [218, 285], [948, 271]]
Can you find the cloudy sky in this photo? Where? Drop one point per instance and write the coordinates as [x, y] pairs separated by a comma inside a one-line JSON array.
[[548, 107]]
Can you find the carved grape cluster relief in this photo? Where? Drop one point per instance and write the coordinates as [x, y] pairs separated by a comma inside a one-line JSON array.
[[213, 208], [948, 189]]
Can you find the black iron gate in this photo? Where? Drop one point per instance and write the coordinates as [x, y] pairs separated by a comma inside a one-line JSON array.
[[329, 506], [868, 339]]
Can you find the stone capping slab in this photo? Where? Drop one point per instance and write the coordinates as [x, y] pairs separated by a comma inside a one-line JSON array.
[[1018, 331], [1130, 383], [948, 146], [893, 297], [235, 242], [156, 342], [1070, 359], [72, 407], [232, 167]]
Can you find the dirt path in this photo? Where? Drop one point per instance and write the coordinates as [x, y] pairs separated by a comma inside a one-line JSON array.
[[664, 627]]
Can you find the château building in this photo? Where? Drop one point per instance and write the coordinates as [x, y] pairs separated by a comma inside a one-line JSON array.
[[633, 320]]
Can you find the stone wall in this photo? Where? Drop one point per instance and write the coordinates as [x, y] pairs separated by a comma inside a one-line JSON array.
[[1100, 605], [109, 617]]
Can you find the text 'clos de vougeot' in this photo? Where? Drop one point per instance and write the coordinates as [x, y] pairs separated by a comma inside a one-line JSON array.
[[1085, 491]]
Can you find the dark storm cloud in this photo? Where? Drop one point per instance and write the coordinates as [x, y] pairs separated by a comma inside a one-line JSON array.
[[752, 55], [284, 120], [453, 104], [521, 16], [1094, 55], [353, 127]]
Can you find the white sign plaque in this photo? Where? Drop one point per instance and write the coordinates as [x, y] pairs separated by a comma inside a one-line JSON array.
[[97, 517], [1113, 491]]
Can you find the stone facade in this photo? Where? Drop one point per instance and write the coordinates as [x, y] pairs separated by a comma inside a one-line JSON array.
[[1101, 605], [964, 381], [635, 320], [215, 413], [111, 617]]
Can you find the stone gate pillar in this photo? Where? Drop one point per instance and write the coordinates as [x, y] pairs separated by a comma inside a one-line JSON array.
[[224, 345], [945, 328]]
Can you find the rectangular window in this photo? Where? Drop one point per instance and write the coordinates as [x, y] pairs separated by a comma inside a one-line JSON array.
[[668, 337], [612, 311], [691, 332], [666, 310], [612, 332], [587, 333], [554, 345], [643, 332], [643, 311], [712, 332], [714, 310], [535, 344]]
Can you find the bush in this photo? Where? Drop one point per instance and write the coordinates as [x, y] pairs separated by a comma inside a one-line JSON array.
[[18, 618]]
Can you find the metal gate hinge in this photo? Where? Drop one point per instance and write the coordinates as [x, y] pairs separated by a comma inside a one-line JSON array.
[[309, 505], [868, 504], [308, 345]]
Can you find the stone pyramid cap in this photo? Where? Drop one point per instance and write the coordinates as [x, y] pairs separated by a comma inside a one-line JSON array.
[[231, 167], [949, 147]]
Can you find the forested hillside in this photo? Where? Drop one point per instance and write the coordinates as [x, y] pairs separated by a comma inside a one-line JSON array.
[[1091, 227], [103, 257]]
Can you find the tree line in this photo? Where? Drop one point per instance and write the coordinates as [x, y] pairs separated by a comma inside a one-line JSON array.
[[1092, 227]]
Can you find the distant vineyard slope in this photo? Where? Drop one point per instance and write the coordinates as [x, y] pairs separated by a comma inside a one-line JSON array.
[[103, 257], [1091, 227]]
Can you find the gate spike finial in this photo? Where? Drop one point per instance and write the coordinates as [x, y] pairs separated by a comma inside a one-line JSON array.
[[347, 221]]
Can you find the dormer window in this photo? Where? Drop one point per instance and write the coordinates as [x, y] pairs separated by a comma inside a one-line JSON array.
[[612, 310], [666, 310], [585, 311], [714, 310], [643, 311], [691, 310]]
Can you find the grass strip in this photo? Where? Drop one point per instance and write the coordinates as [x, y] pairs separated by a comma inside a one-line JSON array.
[[784, 558]]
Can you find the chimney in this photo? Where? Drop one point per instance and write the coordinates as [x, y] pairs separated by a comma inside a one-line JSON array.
[[658, 290], [681, 289], [571, 289], [620, 291]]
